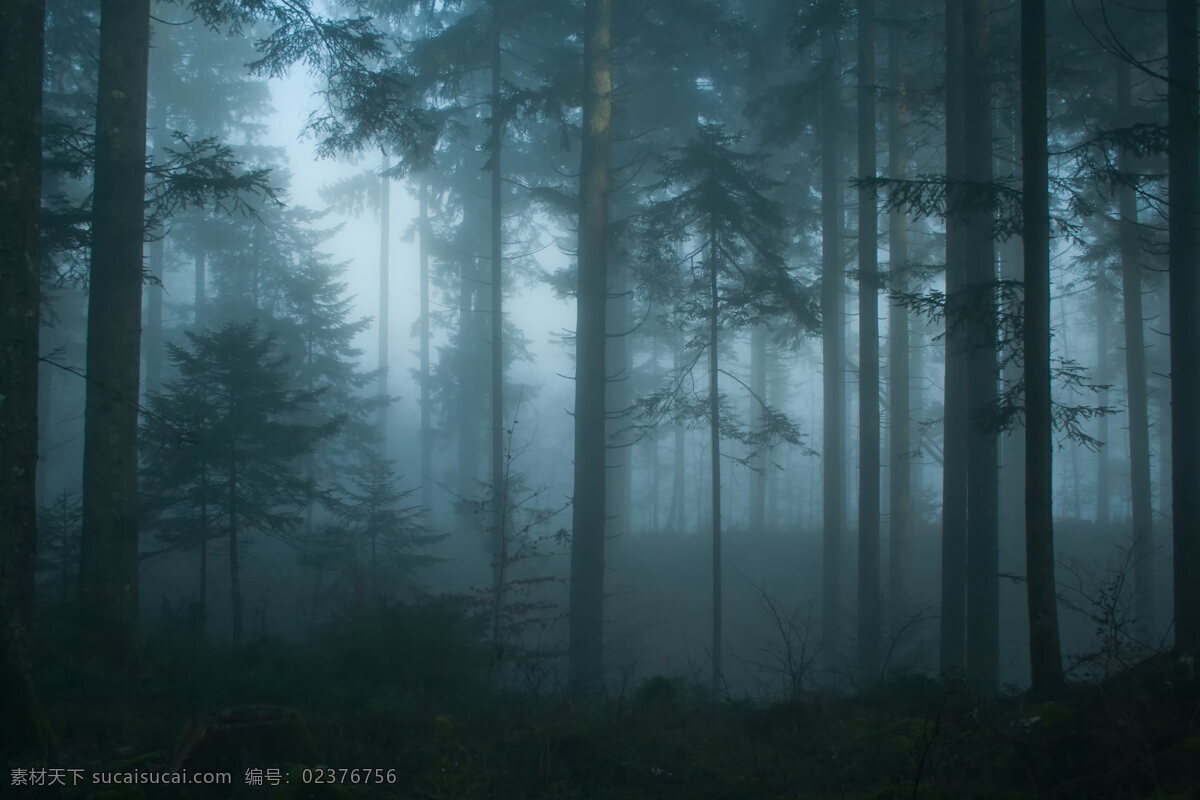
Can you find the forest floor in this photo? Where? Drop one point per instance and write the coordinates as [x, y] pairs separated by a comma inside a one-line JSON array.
[[404, 698]]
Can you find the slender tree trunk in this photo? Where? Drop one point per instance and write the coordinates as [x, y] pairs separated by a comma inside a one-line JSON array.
[[832, 357], [202, 602], [499, 478], [619, 399], [109, 564], [426, 408], [385, 235], [235, 572], [1135, 379], [957, 419], [983, 459], [869, 610], [23, 731], [200, 317], [152, 332], [1045, 656], [900, 554], [586, 615], [758, 385], [714, 425], [1103, 481], [1183, 265]]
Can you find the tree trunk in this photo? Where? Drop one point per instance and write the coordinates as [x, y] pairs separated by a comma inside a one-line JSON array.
[[1184, 233], [426, 410], [759, 464], [586, 615], [900, 557], [832, 356], [983, 459], [235, 572], [199, 316], [714, 427], [499, 476], [152, 332], [957, 419], [1103, 482], [1045, 656], [109, 565], [23, 731], [869, 611], [385, 235], [1135, 379], [619, 399]]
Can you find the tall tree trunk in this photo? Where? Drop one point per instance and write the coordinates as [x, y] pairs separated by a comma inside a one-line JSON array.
[[983, 459], [832, 357], [759, 464], [619, 391], [1103, 481], [900, 556], [385, 235], [202, 599], [235, 572], [109, 565], [714, 425], [869, 611], [957, 418], [1135, 378], [22, 727], [499, 477], [152, 332], [1045, 655], [200, 290], [1183, 265], [426, 409], [586, 615]]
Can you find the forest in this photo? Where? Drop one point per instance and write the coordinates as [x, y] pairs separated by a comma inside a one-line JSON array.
[[597, 399]]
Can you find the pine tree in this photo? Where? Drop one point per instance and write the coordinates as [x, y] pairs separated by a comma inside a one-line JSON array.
[[223, 442]]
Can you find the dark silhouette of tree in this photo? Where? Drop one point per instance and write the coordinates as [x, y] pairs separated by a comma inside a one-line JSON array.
[[586, 613], [1183, 134], [23, 730], [1045, 656]]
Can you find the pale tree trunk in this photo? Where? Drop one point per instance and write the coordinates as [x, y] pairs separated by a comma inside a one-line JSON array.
[[586, 614], [983, 459], [1045, 655], [499, 474], [23, 731], [1183, 265], [832, 357], [758, 386], [900, 556], [1135, 379], [200, 290], [152, 331], [426, 410], [109, 561], [869, 610], [385, 219], [714, 424], [956, 424]]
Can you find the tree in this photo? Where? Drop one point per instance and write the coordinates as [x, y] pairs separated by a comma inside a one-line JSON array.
[[1183, 111], [717, 204], [982, 567], [586, 614], [1045, 657], [869, 612], [108, 567], [832, 352], [225, 438], [22, 727]]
